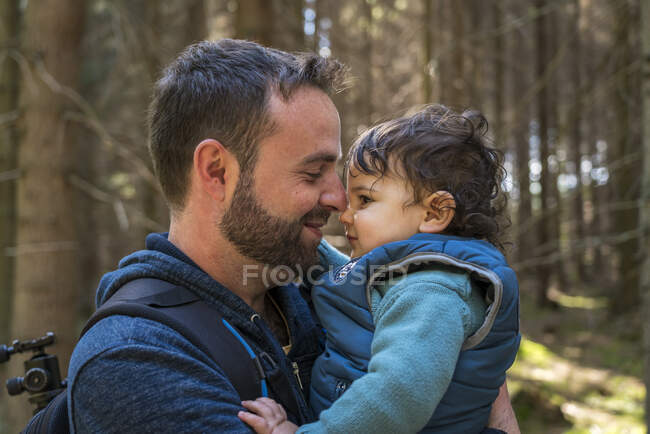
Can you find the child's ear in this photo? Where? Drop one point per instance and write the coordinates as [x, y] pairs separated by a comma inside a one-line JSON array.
[[440, 208]]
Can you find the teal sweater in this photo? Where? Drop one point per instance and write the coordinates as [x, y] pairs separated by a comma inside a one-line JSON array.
[[421, 319]]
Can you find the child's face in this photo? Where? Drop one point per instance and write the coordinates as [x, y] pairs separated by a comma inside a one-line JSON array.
[[376, 212]]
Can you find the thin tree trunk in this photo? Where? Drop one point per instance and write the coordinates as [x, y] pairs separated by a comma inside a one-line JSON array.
[[9, 17], [543, 276], [555, 203], [594, 122], [297, 26], [497, 129], [196, 28], [47, 261], [625, 180], [427, 36], [443, 57], [457, 79], [474, 85], [289, 24], [252, 21], [365, 103], [644, 214], [578, 231], [520, 78], [318, 12]]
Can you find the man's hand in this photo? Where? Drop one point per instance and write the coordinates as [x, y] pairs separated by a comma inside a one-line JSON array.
[[502, 416], [267, 417]]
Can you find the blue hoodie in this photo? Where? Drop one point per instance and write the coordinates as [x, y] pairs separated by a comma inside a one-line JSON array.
[[135, 375]]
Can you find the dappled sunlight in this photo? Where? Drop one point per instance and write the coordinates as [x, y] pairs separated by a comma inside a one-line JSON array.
[[592, 400], [576, 301]]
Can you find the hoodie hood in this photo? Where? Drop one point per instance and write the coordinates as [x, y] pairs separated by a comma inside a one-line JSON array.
[[163, 260]]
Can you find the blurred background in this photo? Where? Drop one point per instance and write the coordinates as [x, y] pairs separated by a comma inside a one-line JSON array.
[[560, 82]]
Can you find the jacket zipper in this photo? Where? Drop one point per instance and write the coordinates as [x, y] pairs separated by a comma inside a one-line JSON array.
[[285, 348], [294, 365], [296, 373]]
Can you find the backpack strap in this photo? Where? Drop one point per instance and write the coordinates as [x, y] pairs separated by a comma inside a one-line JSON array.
[[199, 322]]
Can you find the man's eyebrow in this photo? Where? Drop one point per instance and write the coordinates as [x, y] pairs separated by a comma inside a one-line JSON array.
[[325, 157]]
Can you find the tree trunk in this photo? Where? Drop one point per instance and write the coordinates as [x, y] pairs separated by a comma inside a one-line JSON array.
[[644, 214], [252, 21], [289, 24], [520, 78], [9, 17], [575, 124], [596, 193], [297, 25], [47, 260], [474, 87], [443, 59], [9, 77], [427, 36], [543, 270], [365, 103], [555, 202], [196, 28], [456, 81], [625, 179], [497, 129], [317, 7]]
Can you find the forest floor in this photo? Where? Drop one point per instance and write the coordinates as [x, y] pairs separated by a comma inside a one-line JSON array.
[[577, 371]]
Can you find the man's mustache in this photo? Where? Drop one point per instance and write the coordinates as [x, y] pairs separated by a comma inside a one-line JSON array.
[[318, 214]]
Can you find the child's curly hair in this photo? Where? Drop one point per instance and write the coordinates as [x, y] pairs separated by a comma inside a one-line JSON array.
[[437, 149]]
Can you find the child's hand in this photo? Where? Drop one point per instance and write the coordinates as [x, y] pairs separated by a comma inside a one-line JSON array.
[[267, 417]]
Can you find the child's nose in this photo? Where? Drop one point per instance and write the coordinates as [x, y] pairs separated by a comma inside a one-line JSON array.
[[346, 217]]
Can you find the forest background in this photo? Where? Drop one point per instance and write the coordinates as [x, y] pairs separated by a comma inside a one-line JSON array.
[[565, 85]]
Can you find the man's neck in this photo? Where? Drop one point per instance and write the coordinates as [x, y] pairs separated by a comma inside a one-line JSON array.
[[221, 261]]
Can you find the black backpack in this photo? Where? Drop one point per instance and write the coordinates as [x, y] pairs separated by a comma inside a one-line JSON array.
[[201, 324]]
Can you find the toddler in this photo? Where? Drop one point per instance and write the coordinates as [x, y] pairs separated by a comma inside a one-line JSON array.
[[422, 323]]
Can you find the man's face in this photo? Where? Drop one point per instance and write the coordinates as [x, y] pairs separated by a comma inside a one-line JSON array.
[[277, 211]]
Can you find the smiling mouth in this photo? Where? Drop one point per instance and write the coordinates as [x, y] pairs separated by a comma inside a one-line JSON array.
[[315, 227], [351, 238]]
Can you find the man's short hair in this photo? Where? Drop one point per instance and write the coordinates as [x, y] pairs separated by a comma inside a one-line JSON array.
[[221, 90]]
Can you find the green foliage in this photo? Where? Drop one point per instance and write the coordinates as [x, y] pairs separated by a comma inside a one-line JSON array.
[[576, 372]]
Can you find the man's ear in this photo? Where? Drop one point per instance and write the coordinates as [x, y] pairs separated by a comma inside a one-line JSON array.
[[214, 167], [440, 209]]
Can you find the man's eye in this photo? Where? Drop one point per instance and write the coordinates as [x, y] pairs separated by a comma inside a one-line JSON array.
[[313, 175]]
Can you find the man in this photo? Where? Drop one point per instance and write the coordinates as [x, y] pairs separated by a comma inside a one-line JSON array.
[[244, 141]]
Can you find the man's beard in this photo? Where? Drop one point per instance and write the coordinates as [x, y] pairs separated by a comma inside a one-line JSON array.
[[267, 239]]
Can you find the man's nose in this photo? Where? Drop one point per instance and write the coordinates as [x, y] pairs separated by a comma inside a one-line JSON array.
[[334, 194]]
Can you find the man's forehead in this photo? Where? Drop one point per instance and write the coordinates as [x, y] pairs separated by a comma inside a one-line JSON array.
[[306, 130]]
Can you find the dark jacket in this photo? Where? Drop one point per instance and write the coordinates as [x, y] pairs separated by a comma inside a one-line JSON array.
[[135, 375]]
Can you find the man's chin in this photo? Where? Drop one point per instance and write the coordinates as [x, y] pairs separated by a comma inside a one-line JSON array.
[[310, 252], [310, 238]]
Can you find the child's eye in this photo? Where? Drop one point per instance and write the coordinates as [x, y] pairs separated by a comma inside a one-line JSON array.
[[364, 199]]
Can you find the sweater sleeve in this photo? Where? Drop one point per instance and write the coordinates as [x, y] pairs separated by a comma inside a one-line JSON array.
[[328, 256], [137, 386], [420, 326]]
